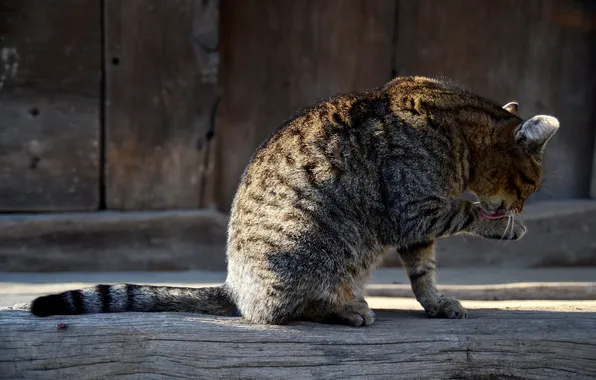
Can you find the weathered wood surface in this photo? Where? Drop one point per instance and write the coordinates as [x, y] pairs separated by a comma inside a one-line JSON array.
[[538, 52], [161, 82], [560, 234], [279, 56], [500, 292], [49, 104], [113, 241], [493, 344]]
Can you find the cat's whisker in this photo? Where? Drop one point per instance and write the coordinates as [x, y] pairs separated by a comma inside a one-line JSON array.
[[512, 227], [506, 228], [548, 191], [552, 174], [498, 243]]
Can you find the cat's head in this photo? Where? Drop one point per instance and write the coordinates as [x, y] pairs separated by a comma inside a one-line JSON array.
[[509, 170]]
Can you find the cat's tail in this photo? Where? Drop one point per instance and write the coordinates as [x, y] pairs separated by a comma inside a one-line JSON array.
[[130, 297]]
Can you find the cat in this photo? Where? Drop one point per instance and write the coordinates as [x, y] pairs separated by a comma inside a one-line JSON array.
[[335, 187]]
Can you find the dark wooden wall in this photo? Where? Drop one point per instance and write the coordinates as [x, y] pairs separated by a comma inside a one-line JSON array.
[[281, 55], [539, 52], [278, 56], [159, 104], [50, 104]]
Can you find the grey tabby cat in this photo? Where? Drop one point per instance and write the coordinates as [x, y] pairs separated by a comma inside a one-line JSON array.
[[326, 196]]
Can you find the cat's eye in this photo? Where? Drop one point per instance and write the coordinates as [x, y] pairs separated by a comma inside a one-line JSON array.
[[526, 180]]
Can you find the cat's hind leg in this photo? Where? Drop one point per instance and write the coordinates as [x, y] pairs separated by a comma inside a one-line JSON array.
[[354, 313], [340, 302], [279, 306], [272, 303], [419, 262], [290, 287]]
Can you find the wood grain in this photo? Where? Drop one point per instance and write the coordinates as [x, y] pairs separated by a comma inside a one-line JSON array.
[[279, 56], [498, 292], [161, 75], [49, 105], [493, 344], [538, 52]]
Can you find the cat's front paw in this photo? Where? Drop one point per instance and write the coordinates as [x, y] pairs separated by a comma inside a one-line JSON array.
[[503, 229], [449, 308]]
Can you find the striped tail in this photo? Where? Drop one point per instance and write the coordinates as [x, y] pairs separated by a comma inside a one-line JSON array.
[[130, 297]]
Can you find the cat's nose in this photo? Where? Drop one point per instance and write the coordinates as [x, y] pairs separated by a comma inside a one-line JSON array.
[[502, 207]]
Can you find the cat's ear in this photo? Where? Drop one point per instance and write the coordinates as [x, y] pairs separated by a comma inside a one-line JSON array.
[[512, 107], [534, 133]]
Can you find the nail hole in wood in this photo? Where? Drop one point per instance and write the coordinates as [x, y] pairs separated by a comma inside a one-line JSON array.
[[34, 111], [115, 61], [34, 162]]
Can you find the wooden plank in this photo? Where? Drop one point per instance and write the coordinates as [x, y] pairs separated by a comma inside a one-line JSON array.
[[494, 344], [538, 52], [560, 234], [496, 292], [49, 105], [113, 241], [279, 56], [161, 74]]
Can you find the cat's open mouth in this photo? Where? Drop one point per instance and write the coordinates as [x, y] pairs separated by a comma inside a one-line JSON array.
[[498, 214], [494, 215]]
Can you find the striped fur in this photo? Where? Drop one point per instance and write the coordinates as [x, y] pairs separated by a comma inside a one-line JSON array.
[[325, 197], [130, 297]]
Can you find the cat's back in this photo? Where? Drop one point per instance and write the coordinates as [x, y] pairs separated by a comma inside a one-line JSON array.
[[331, 152], [300, 182], [335, 142], [311, 139], [339, 116]]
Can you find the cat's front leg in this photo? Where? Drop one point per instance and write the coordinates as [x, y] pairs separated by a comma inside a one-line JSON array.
[[507, 228], [460, 216], [436, 218], [419, 262]]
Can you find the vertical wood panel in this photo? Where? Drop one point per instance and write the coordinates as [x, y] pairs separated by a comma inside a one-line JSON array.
[[281, 55], [593, 181], [539, 52], [50, 70], [161, 75]]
